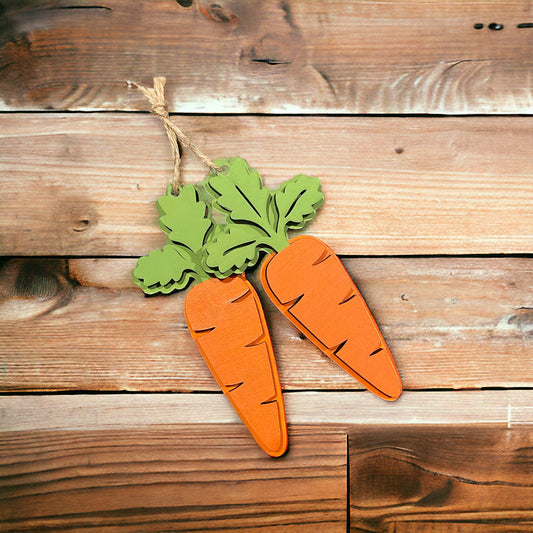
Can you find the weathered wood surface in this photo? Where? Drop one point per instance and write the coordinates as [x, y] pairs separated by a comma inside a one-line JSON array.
[[340, 410], [269, 57], [509, 523], [449, 479], [81, 188], [87, 184], [171, 479], [82, 323]]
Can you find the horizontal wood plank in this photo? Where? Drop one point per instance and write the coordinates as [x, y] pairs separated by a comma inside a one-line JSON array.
[[460, 523], [342, 410], [82, 324], [433, 479], [272, 57], [170, 479], [87, 184]]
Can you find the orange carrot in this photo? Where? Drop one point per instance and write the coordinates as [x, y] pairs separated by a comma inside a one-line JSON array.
[[308, 283], [224, 316], [227, 323]]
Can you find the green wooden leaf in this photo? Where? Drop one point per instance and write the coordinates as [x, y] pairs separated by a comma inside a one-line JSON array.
[[297, 201], [257, 218], [239, 192], [185, 218], [187, 222], [234, 249], [164, 271]]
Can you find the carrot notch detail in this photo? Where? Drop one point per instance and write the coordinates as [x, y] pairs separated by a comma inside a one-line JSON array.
[[224, 316], [302, 276]]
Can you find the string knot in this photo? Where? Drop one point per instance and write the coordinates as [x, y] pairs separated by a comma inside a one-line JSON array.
[[160, 109]]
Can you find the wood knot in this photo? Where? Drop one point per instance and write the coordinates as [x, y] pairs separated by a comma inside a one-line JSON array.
[[32, 287], [81, 225], [82, 218], [218, 13]]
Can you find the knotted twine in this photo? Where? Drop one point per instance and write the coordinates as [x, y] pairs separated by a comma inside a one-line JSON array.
[[156, 97]]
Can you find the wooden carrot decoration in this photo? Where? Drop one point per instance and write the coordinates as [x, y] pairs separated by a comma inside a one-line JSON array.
[[302, 276], [224, 316]]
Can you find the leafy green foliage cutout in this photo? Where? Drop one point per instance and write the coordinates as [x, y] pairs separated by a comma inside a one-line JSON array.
[[257, 218], [187, 222], [163, 271], [234, 249], [184, 218], [297, 201], [239, 192]]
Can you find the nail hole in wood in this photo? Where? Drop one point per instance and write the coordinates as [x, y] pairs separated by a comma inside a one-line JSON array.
[[399, 150], [184, 3], [495, 26], [478, 26]]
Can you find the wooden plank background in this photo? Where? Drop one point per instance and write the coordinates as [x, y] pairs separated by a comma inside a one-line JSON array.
[[109, 419], [80, 479], [295, 56], [430, 479], [451, 323], [393, 185]]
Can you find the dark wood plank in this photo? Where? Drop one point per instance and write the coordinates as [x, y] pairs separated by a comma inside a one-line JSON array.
[[441, 479], [87, 184], [272, 57], [83, 325], [173, 478]]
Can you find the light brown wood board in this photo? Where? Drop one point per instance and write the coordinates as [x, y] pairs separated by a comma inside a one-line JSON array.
[[450, 322], [76, 184], [343, 410], [269, 57], [433, 479], [171, 478]]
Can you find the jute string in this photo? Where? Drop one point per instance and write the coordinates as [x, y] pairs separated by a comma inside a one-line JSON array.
[[156, 97]]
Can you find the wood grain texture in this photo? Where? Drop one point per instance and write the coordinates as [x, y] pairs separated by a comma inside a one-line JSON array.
[[171, 479], [269, 57], [77, 204], [508, 524], [87, 184], [450, 323], [441, 479], [340, 410]]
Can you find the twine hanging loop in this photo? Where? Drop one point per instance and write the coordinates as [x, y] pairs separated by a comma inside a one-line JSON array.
[[156, 97]]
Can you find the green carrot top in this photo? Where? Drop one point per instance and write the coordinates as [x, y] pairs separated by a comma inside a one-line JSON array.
[[187, 222], [257, 218]]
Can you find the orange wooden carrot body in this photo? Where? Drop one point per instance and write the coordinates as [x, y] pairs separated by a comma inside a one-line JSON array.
[[227, 323], [308, 283]]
